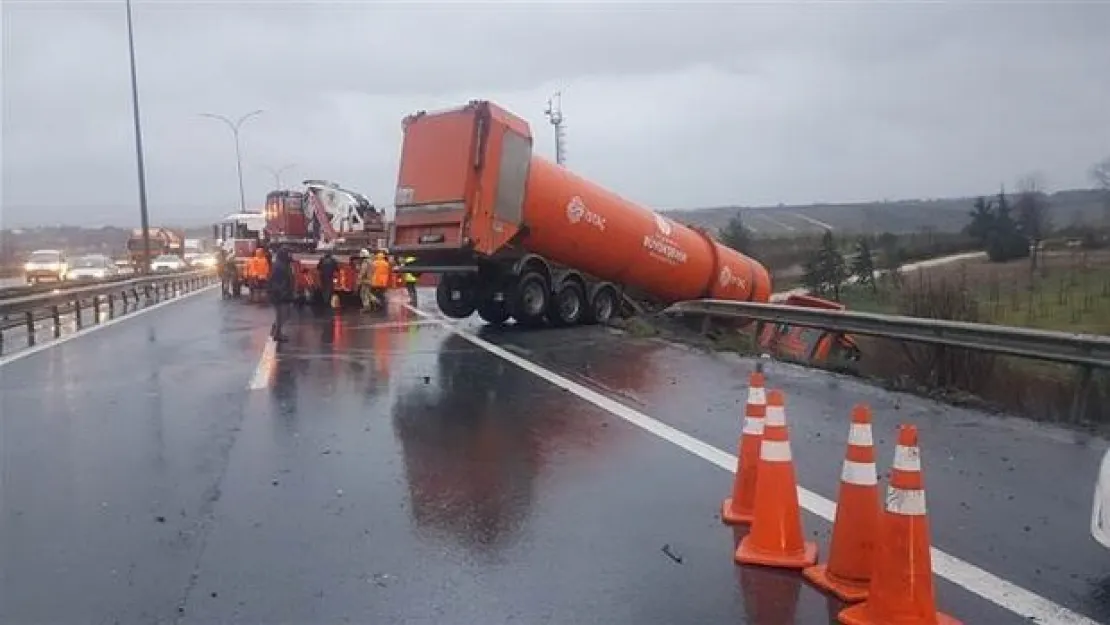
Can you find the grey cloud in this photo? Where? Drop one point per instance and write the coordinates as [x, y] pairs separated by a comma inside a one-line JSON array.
[[672, 105]]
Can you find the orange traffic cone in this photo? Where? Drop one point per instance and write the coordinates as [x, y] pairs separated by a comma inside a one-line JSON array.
[[737, 509], [852, 549], [901, 589], [776, 535]]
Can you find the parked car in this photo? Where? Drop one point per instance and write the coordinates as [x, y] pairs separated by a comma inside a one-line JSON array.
[[1100, 511], [167, 262], [92, 267], [45, 265]]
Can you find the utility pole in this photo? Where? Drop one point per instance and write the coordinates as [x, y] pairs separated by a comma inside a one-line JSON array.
[[234, 126], [554, 113], [143, 219], [276, 173]]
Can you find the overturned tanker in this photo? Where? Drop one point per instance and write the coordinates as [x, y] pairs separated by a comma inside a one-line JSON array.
[[516, 236]]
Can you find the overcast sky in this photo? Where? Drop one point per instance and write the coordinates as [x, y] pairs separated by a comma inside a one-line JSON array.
[[708, 104]]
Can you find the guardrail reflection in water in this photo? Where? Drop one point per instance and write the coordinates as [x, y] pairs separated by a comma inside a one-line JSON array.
[[28, 313], [1086, 351]]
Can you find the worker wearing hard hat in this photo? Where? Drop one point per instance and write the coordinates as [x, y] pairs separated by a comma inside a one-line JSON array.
[[380, 276], [365, 281], [410, 280]]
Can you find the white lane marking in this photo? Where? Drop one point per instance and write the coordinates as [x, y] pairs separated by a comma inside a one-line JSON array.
[[265, 366], [999, 591], [89, 330]]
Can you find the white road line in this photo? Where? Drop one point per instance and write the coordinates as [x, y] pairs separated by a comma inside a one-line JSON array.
[[999, 591], [265, 367], [89, 330]]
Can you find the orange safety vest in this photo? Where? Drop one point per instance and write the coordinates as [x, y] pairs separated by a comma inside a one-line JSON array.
[[381, 274]]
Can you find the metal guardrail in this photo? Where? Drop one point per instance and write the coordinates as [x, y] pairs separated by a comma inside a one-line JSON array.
[[120, 297], [1086, 351]]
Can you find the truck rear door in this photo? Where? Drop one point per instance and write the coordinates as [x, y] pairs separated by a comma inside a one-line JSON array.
[[461, 183]]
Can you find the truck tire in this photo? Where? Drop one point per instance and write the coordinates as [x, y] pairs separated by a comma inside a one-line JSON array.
[[528, 299], [455, 297], [602, 306], [493, 312], [568, 307]]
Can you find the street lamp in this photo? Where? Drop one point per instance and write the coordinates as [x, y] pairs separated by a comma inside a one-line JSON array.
[[276, 173], [144, 266], [234, 126]]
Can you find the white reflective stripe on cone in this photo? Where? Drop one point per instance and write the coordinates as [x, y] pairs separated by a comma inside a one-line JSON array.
[[905, 502], [753, 425], [757, 395], [776, 415], [860, 434], [859, 473], [775, 451], [907, 458]]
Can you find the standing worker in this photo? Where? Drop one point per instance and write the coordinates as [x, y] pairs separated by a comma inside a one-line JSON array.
[[382, 273], [281, 292], [326, 270], [410, 281], [365, 280]]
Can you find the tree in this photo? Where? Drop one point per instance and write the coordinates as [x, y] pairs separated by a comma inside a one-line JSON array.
[[982, 221], [736, 235], [812, 277], [1033, 221], [1003, 240], [863, 265], [833, 268], [1100, 173]]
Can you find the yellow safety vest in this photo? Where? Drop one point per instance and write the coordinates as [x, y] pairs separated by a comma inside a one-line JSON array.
[[408, 276]]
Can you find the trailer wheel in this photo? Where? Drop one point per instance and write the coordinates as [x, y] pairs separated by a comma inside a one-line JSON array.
[[528, 299], [602, 307], [568, 306], [455, 297], [493, 312]]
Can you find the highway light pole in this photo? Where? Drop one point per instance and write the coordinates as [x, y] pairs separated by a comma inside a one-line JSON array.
[[144, 221], [276, 173], [234, 126]]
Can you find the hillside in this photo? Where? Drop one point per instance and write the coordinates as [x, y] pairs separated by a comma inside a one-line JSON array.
[[944, 215]]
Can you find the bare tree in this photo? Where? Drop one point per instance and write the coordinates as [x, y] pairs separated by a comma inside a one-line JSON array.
[[1032, 207], [1100, 173]]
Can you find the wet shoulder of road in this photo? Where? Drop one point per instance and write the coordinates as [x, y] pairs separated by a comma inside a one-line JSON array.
[[387, 470]]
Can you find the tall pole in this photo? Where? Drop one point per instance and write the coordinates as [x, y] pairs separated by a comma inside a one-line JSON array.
[[276, 173], [234, 126], [554, 113], [145, 222]]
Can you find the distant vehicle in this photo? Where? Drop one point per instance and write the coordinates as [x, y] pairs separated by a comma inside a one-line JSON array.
[[92, 267], [163, 242], [167, 262], [45, 266], [201, 261], [124, 267], [1100, 512]]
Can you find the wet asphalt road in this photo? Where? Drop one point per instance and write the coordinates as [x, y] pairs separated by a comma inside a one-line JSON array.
[[389, 471]]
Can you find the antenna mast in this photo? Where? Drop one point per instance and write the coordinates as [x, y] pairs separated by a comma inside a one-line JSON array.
[[554, 113]]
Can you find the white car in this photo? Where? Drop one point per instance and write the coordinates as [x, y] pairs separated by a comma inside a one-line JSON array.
[[45, 265], [1100, 511], [91, 267], [167, 262]]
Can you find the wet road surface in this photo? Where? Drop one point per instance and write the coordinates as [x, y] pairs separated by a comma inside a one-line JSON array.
[[387, 470]]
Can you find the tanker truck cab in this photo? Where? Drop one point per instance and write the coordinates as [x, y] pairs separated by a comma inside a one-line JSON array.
[[460, 211], [517, 236]]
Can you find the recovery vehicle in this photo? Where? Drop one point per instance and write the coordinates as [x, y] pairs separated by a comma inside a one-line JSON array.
[[239, 235], [514, 235], [163, 242]]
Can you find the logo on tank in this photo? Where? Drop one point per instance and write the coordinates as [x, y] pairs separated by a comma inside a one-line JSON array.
[[660, 245], [577, 211], [727, 279]]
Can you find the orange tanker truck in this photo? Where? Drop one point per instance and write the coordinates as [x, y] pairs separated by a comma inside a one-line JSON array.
[[516, 236]]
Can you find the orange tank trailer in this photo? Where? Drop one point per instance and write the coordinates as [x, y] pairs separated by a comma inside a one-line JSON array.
[[514, 235]]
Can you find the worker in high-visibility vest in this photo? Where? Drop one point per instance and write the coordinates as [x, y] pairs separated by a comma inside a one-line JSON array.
[[410, 280]]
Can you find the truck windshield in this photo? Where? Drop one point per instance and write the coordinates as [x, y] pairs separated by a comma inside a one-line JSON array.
[[45, 257]]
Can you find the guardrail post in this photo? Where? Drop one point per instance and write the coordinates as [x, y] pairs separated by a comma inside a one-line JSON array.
[[77, 313], [1082, 391], [96, 309], [111, 306], [56, 316], [30, 320]]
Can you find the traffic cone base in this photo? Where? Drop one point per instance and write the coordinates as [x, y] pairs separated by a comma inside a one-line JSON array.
[[746, 553], [860, 614], [843, 589], [729, 516]]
